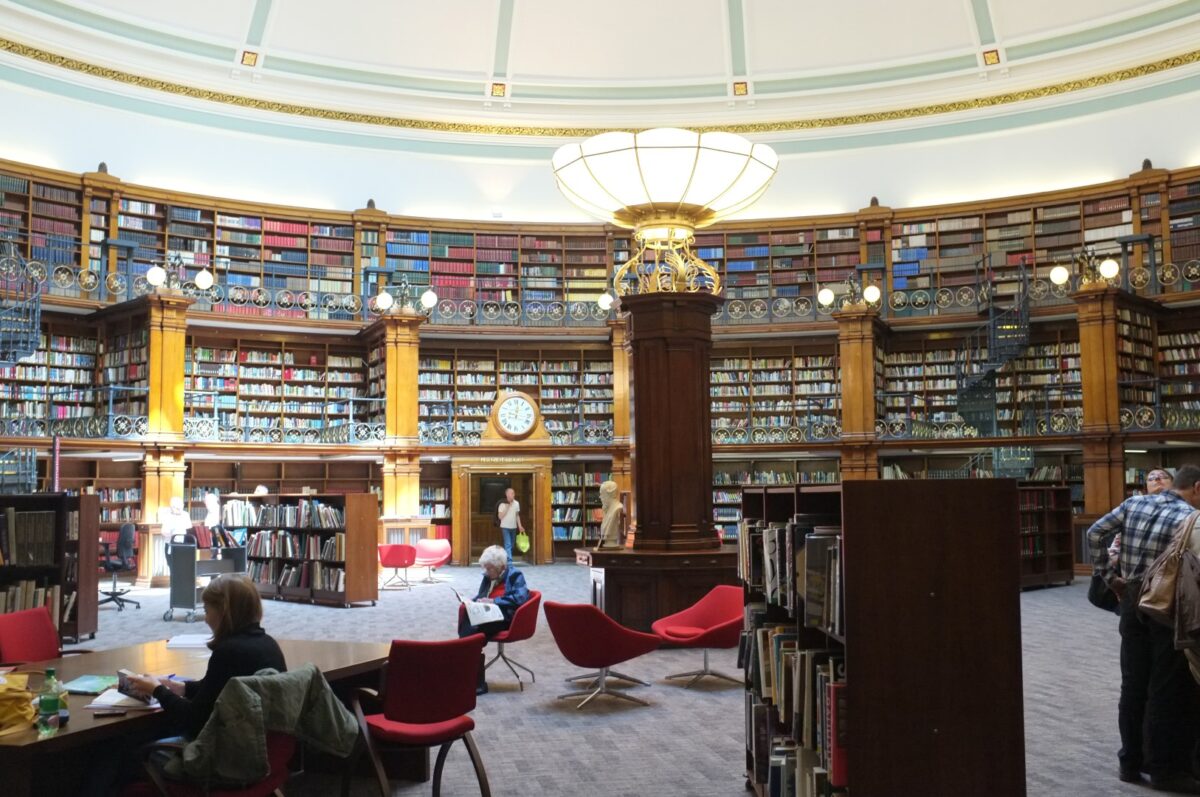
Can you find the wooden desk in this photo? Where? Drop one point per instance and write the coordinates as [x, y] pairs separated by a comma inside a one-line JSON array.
[[339, 661]]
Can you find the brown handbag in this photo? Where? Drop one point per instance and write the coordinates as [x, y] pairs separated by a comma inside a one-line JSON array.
[[1187, 602], [1157, 599]]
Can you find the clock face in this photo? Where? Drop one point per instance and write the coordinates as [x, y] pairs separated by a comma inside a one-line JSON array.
[[515, 416]]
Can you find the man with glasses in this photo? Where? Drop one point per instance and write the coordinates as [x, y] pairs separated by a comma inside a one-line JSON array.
[[1155, 714], [1157, 480]]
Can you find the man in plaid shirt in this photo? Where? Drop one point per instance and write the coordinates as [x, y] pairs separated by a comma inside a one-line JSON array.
[[1155, 713]]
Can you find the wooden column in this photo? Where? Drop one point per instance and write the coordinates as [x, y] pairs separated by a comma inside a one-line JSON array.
[[162, 479], [622, 463], [401, 485], [1103, 450], [166, 319], [676, 556], [859, 332], [399, 333], [671, 336]]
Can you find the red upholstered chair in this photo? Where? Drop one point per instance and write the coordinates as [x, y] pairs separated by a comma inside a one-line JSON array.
[[396, 557], [280, 749], [29, 635], [714, 621], [523, 625], [432, 554], [429, 689], [588, 637]]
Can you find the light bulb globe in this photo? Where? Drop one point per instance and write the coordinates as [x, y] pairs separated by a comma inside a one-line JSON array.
[[871, 293], [156, 275], [384, 301], [1109, 268], [429, 298], [605, 300], [825, 297], [204, 280], [1059, 275]]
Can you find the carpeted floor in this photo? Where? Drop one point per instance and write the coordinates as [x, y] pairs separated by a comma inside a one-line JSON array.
[[689, 742]]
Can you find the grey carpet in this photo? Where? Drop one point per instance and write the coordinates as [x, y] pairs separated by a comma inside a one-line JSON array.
[[689, 742]]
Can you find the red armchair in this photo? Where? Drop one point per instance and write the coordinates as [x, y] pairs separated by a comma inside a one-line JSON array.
[[432, 554], [588, 637], [524, 623], [429, 690], [29, 635], [715, 621], [397, 557]]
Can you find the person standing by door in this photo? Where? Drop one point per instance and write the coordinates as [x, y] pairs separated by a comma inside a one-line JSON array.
[[510, 521]]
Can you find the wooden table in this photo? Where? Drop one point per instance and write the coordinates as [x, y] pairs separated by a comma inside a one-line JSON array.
[[20, 752]]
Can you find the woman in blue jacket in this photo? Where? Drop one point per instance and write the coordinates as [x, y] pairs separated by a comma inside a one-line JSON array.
[[501, 584]]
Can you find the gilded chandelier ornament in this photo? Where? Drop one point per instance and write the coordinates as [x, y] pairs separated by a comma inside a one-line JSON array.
[[666, 268]]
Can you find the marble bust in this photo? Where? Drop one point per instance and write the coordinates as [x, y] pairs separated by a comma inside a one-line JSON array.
[[614, 512]]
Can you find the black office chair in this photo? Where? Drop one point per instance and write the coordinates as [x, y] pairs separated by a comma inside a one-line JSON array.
[[121, 564]]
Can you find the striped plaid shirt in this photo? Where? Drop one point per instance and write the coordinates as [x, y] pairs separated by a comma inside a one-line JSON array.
[[1146, 524]]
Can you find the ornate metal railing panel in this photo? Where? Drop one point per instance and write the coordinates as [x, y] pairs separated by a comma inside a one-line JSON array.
[[18, 471]]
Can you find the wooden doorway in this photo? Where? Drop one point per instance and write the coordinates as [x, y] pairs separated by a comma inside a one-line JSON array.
[[472, 525], [487, 492]]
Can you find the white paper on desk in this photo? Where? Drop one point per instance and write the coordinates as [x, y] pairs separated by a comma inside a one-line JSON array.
[[189, 641], [111, 698], [480, 613]]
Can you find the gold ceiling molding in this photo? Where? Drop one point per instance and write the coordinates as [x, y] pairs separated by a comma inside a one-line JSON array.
[[1009, 98]]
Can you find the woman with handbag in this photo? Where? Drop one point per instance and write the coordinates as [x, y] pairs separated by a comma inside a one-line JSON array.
[[510, 521], [1155, 713], [503, 585]]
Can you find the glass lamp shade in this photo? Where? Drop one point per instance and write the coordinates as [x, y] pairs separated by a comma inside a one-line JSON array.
[[156, 275], [1059, 275], [384, 301], [825, 297], [628, 178], [204, 280], [429, 298], [1109, 268], [871, 293], [605, 300]]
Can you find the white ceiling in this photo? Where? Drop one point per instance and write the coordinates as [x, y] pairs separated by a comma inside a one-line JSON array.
[[392, 98]]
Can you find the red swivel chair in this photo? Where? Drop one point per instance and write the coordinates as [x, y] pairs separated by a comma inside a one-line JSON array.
[[432, 554], [524, 623], [588, 637], [715, 621], [29, 635], [429, 690], [397, 557]]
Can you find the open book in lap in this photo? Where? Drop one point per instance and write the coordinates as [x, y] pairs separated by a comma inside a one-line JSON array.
[[480, 613]]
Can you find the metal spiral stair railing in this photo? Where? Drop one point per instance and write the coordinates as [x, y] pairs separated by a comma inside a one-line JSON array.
[[18, 471], [20, 304]]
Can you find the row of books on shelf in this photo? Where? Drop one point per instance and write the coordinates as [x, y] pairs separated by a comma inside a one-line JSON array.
[[27, 538], [315, 575], [218, 537], [28, 594], [286, 545], [796, 710], [567, 533], [308, 513], [797, 566]]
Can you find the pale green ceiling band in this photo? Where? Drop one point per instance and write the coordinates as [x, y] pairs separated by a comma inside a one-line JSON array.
[[109, 25], [258, 22], [1101, 33], [737, 38], [503, 38], [467, 88], [983, 21]]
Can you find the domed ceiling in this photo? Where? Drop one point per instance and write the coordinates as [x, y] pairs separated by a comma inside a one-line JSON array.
[[509, 79]]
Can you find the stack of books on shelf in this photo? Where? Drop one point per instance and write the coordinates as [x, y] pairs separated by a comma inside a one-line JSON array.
[[796, 691]]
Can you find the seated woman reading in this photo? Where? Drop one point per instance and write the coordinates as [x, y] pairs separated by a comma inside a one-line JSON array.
[[233, 610], [501, 584]]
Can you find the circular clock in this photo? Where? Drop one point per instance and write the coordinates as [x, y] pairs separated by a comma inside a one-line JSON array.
[[515, 416]]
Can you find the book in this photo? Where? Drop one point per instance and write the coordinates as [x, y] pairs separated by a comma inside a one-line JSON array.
[[90, 684], [479, 613], [111, 698], [186, 641]]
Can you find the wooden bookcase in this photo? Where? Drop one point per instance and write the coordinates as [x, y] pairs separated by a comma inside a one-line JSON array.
[[887, 609], [574, 501], [65, 567], [740, 488], [435, 496], [1046, 553], [344, 548]]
